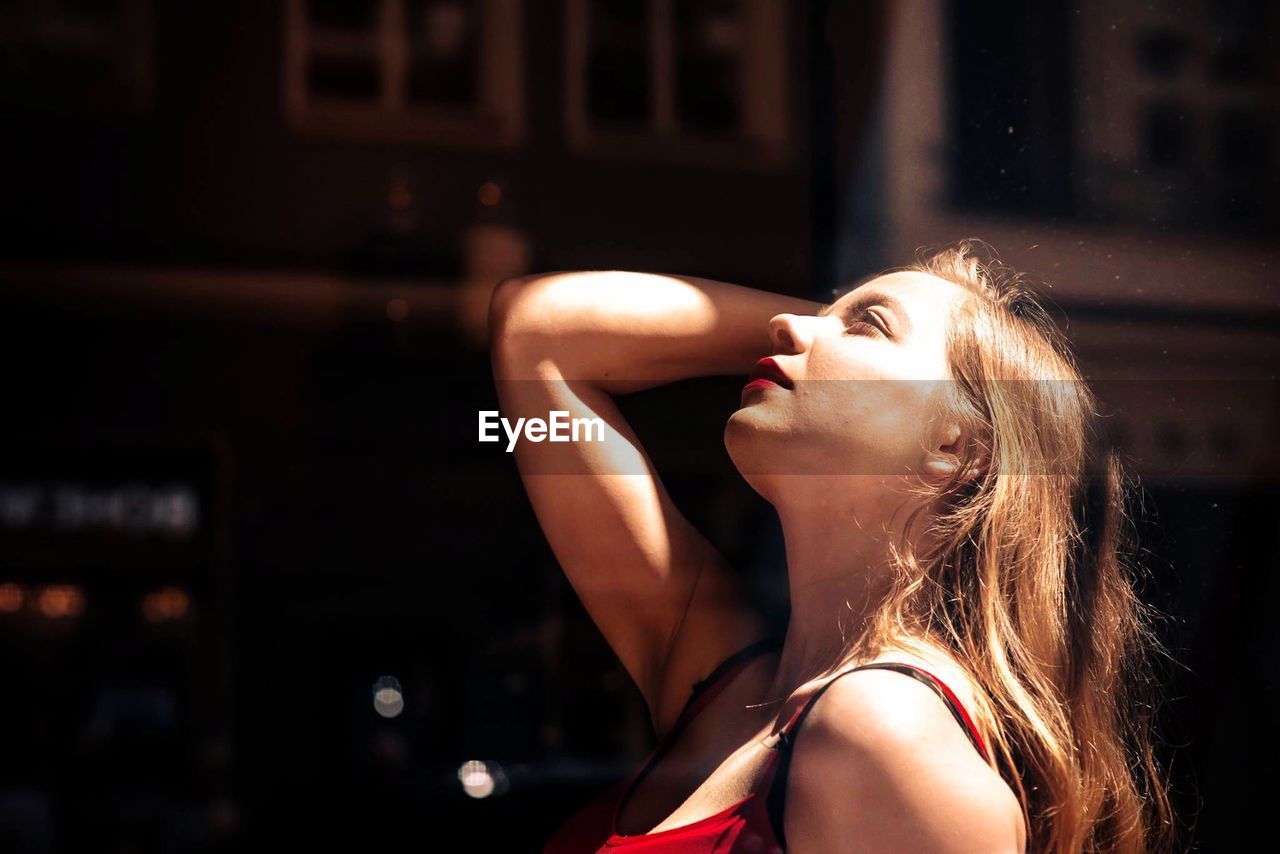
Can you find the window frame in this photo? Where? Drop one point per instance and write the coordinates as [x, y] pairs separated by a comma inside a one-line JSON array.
[[764, 141], [497, 120]]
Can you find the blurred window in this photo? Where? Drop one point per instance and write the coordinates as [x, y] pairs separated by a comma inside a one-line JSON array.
[[1178, 114], [700, 80], [77, 58], [439, 71]]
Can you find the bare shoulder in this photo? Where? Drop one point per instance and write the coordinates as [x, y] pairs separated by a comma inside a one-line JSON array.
[[880, 759]]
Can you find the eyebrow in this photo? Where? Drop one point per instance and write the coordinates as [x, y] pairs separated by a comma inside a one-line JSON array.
[[873, 298]]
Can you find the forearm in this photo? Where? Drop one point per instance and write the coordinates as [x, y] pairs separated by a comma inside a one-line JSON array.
[[627, 331]]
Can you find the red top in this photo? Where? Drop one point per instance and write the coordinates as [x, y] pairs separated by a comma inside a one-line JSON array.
[[752, 824]]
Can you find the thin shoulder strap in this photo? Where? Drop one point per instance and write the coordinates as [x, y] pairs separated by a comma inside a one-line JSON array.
[[948, 696], [786, 737], [704, 690]]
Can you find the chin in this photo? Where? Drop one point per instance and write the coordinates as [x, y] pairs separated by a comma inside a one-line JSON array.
[[760, 448], [768, 452]]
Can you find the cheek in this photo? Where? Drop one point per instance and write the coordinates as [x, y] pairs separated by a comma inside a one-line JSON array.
[[892, 411], [881, 416], [922, 360]]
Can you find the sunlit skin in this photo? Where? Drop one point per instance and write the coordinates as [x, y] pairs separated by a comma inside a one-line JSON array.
[[866, 377], [835, 455]]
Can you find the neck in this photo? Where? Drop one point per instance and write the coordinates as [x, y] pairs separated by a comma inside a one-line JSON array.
[[837, 574]]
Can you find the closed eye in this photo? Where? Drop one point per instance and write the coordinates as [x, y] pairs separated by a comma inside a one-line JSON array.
[[861, 323]]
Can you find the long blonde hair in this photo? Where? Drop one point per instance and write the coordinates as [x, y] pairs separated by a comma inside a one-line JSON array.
[[1028, 581]]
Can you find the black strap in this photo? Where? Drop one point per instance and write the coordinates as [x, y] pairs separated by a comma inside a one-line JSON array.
[[698, 687], [776, 799], [720, 670]]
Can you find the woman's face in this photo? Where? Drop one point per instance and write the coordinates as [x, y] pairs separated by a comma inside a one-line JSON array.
[[863, 374]]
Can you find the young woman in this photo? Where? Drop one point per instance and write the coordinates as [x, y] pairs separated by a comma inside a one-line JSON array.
[[962, 666]]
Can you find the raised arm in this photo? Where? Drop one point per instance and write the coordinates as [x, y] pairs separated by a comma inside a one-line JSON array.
[[663, 597]]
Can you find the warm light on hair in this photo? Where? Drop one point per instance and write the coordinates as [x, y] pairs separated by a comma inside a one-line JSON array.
[[1024, 577]]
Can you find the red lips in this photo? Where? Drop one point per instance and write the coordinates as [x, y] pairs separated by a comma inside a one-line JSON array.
[[767, 369]]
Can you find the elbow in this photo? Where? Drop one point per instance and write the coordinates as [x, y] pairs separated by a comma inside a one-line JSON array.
[[532, 311], [505, 303]]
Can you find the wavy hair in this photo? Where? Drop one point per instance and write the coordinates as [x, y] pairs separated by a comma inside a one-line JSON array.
[[1027, 576]]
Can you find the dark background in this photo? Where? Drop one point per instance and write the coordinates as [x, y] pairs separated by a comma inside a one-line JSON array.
[[244, 257]]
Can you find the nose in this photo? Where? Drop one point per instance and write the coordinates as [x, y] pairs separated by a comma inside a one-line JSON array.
[[790, 333]]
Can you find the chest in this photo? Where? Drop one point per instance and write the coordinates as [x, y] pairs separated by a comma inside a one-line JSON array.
[[694, 783]]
